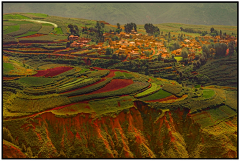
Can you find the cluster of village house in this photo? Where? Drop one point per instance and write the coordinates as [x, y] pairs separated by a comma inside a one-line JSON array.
[[134, 45]]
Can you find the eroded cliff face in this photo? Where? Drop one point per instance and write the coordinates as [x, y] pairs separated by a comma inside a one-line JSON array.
[[140, 132]]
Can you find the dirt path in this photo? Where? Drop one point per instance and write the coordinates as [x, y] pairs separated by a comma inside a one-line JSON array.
[[37, 21]]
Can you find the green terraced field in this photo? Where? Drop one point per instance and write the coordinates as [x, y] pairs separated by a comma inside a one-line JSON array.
[[208, 93], [14, 16], [7, 67], [131, 89], [57, 30], [111, 105], [38, 14], [158, 95], [123, 75], [10, 29], [73, 110], [77, 84], [31, 106], [35, 81], [5, 27], [214, 116], [27, 34], [18, 22], [153, 89]]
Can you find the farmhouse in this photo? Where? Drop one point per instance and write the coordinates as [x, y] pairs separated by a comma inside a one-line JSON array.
[[134, 55]]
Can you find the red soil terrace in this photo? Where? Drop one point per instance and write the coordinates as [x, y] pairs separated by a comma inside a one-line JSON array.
[[172, 97], [52, 72], [115, 84], [34, 35]]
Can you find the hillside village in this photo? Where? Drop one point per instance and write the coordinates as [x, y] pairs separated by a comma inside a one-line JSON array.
[[136, 45]]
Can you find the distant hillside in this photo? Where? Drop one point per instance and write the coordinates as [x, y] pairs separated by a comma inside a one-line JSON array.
[[140, 13]]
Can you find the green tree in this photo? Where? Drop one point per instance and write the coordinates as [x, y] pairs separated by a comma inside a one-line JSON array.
[[118, 25], [231, 47], [102, 25], [147, 53], [114, 56], [212, 29], [220, 49], [159, 56], [109, 51], [184, 53], [206, 50]]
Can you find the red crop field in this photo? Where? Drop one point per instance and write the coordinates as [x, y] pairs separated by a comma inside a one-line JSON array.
[[112, 71], [34, 35], [10, 78], [115, 84], [52, 72], [111, 74], [172, 97]]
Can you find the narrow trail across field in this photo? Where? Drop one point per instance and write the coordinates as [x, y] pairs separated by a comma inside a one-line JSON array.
[[37, 21]]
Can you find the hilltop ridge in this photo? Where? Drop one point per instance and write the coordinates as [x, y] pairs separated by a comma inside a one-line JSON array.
[[140, 13]]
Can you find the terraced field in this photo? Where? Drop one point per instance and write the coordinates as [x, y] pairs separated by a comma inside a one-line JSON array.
[[57, 102], [89, 85]]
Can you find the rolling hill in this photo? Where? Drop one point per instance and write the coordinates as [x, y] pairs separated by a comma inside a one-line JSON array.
[[140, 13]]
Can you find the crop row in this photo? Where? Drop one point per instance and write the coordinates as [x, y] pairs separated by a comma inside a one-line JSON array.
[[198, 105], [80, 84], [54, 47], [68, 73], [160, 94], [88, 89], [35, 81], [31, 50], [55, 83], [213, 116], [154, 88], [71, 83], [99, 73], [123, 75], [45, 29], [174, 89], [64, 28], [7, 39], [111, 105], [52, 72], [36, 27], [131, 89], [39, 91], [22, 105], [49, 88]]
